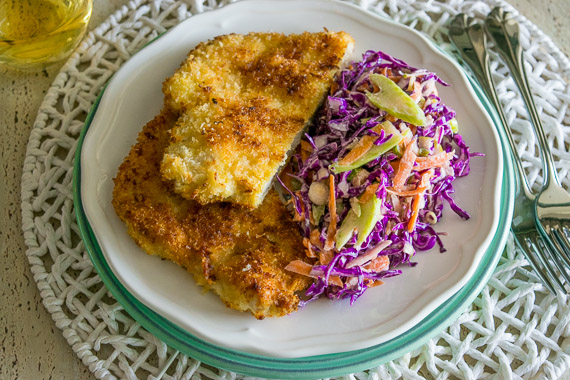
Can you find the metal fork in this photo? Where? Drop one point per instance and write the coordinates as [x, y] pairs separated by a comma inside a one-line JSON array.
[[471, 41], [553, 202]]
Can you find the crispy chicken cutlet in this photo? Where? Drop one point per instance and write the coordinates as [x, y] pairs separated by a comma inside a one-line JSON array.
[[242, 103], [237, 252]]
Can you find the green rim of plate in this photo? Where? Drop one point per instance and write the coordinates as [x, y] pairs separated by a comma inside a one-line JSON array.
[[309, 367]]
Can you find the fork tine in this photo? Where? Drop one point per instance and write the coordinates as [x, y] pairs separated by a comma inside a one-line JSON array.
[[533, 243], [558, 245], [551, 249], [565, 233], [564, 245], [530, 255]]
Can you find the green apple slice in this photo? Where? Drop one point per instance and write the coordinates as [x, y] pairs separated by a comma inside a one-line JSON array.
[[395, 101], [344, 233], [370, 214]]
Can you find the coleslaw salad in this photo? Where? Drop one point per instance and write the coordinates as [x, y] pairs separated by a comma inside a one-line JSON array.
[[372, 175]]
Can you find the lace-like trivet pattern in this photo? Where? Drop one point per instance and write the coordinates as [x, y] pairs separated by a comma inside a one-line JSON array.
[[514, 329]]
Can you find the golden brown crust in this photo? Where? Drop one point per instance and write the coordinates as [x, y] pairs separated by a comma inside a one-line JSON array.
[[237, 252], [242, 103]]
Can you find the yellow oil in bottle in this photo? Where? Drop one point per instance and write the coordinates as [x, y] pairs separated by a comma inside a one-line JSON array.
[[35, 33]]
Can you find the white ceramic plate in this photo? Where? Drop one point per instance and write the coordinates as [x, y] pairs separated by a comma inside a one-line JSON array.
[[133, 97]]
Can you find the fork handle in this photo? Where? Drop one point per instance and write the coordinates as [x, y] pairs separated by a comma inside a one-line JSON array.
[[505, 32], [471, 42]]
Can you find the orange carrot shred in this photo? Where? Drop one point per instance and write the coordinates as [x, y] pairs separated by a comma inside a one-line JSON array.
[[424, 182], [368, 193], [406, 193], [372, 283], [325, 257], [415, 212], [302, 268], [299, 267], [309, 246], [379, 264], [394, 164], [363, 146], [423, 163], [314, 237], [335, 280], [405, 167]]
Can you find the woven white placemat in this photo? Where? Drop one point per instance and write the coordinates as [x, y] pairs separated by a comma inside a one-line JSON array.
[[514, 329]]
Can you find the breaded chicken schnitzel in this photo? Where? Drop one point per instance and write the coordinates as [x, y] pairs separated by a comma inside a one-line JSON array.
[[242, 103], [237, 252]]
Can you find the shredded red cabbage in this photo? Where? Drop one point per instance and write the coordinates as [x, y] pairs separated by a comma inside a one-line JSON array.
[[347, 117]]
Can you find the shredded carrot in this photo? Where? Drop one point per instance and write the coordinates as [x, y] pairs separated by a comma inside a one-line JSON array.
[[415, 212], [405, 192], [368, 193], [335, 280], [363, 146], [315, 238], [300, 267], [388, 72], [437, 160], [310, 253], [405, 167], [424, 183], [360, 149], [379, 264], [331, 233], [325, 257], [372, 283]]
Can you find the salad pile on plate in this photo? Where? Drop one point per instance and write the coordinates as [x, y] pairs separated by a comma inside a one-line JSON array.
[[372, 175]]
